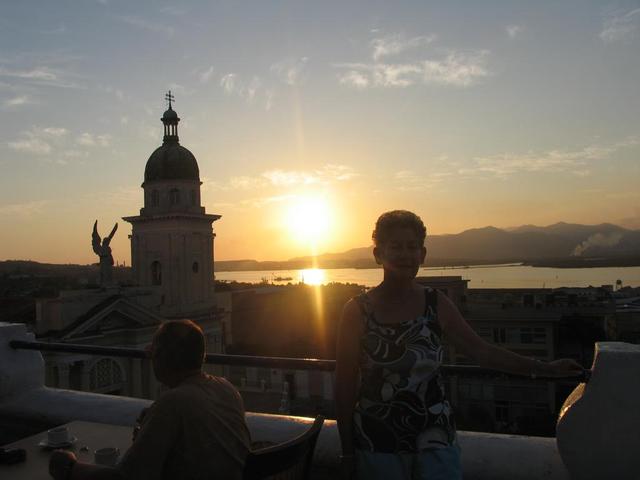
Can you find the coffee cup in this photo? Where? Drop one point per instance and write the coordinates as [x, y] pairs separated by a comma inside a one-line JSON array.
[[58, 435], [107, 456]]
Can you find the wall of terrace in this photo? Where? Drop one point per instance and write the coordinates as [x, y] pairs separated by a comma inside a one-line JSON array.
[[600, 420]]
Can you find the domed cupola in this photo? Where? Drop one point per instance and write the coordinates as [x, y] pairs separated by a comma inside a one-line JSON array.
[[171, 161]]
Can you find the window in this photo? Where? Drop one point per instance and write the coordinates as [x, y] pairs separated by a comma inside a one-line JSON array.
[[499, 335], [106, 374], [193, 197], [156, 273], [195, 267], [155, 198], [533, 335], [174, 196], [502, 411]]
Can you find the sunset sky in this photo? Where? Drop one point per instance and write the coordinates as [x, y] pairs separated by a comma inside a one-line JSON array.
[[468, 113]]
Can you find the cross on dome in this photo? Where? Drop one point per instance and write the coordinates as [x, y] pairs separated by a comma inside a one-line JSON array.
[[169, 98]]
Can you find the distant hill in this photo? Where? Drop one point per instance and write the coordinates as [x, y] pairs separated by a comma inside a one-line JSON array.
[[561, 244]]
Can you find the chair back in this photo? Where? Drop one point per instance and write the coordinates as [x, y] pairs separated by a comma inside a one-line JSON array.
[[290, 460]]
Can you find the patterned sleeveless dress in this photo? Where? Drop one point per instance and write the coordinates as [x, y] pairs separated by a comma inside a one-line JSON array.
[[401, 406]]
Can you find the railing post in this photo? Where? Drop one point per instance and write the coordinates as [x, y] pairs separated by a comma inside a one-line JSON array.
[[597, 431]]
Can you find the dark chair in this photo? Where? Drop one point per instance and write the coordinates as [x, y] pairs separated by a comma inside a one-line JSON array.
[[290, 460]]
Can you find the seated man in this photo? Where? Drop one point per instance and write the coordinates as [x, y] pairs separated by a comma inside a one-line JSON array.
[[196, 429]]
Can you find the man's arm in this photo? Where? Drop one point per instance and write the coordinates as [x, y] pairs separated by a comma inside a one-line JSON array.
[[63, 465]]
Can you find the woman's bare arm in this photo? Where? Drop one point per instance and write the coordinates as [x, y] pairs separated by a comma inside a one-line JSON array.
[[347, 372], [469, 343]]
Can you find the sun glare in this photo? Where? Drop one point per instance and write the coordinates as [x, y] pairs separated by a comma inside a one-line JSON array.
[[312, 276], [308, 219]]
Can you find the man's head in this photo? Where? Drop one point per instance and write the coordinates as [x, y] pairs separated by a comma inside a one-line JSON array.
[[177, 351]]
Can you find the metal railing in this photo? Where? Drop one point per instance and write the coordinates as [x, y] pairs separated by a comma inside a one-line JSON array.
[[271, 362]]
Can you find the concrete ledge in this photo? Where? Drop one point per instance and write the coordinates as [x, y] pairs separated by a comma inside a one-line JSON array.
[[484, 455]]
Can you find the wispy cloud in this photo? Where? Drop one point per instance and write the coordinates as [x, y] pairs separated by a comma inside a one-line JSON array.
[[41, 75], [291, 70], [621, 26], [249, 90], [513, 30], [26, 209], [329, 173], [396, 44], [93, 140], [149, 26], [326, 175], [206, 75], [571, 161], [459, 69], [408, 180], [19, 101], [449, 67], [38, 141]]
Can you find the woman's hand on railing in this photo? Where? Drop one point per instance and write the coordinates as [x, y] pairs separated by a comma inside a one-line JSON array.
[[563, 367]]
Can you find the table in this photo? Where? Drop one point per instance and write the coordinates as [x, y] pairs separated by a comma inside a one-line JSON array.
[[90, 434]]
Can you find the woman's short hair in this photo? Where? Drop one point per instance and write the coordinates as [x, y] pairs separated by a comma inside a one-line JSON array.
[[181, 344], [389, 221]]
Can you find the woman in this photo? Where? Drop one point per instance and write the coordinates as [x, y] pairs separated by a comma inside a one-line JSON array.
[[393, 417]]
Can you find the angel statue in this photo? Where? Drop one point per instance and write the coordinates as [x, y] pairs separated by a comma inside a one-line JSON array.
[[103, 250]]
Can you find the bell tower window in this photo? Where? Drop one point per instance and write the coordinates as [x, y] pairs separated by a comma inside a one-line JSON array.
[[174, 196], [156, 273], [193, 197], [155, 198]]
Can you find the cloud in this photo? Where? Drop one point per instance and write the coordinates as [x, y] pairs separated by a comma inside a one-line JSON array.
[[450, 67], [26, 209], [456, 69], [37, 141], [396, 44], [327, 174], [572, 161], [513, 30], [206, 75], [290, 71], [354, 78], [408, 180], [144, 24], [44, 76], [619, 27], [245, 183], [92, 140], [34, 146], [18, 101], [248, 91]]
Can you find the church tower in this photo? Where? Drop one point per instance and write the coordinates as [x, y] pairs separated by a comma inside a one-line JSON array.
[[172, 238]]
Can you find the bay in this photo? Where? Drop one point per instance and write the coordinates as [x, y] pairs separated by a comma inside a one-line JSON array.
[[485, 276]]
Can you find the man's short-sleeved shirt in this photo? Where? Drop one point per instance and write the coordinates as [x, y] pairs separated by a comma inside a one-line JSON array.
[[196, 430]]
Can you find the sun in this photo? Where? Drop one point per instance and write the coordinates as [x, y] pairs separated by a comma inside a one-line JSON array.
[[308, 219]]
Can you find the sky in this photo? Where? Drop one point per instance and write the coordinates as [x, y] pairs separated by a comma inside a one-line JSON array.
[[310, 119]]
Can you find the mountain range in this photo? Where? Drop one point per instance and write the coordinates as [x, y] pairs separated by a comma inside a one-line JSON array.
[[560, 244]]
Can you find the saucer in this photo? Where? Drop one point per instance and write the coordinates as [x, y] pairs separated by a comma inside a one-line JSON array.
[[45, 443]]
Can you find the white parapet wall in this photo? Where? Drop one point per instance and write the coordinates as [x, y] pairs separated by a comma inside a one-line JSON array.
[[613, 388], [599, 425]]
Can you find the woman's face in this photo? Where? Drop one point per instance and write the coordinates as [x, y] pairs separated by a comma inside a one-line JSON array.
[[402, 253]]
